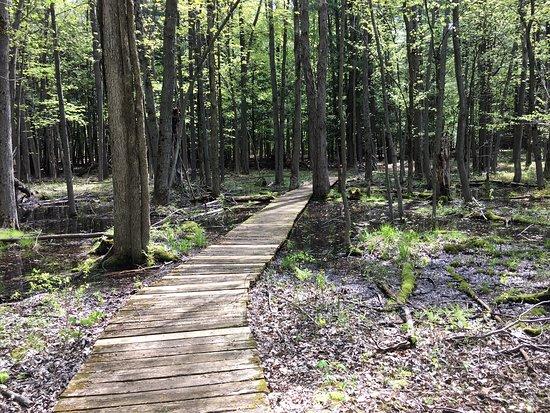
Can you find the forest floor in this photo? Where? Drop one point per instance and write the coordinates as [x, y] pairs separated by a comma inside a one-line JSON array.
[[53, 306], [332, 340]]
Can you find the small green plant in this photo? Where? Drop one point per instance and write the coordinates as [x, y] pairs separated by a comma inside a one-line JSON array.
[[4, 377], [70, 333], [290, 261], [91, 319], [321, 280], [44, 281], [180, 238]]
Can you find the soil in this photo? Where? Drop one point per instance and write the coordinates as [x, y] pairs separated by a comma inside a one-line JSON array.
[[327, 343]]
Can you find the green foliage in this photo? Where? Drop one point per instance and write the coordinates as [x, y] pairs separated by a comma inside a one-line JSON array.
[[44, 281], [90, 320], [4, 377], [290, 261], [180, 238], [303, 274]]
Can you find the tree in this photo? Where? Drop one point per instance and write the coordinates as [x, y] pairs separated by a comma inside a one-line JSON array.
[[127, 126], [98, 78], [316, 93], [462, 108], [161, 194], [63, 132], [8, 206], [297, 119], [214, 125], [277, 133]]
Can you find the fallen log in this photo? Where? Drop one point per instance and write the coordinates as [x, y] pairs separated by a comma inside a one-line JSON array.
[[10, 395], [406, 316], [246, 198], [48, 237]]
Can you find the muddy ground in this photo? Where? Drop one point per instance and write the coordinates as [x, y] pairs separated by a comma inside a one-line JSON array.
[[331, 340]]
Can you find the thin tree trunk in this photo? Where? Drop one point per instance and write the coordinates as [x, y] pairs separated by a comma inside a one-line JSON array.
[[63, 132], [98, 78], [462, 108], [520, 102], [385, 98], [8, 206], [277, 135], [297, 119], [342, 170], [440, 180], [367, 126], [214, 126], [151, 122], [161, 193]]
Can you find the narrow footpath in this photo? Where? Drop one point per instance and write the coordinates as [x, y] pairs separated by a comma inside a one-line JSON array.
[[183, 344]]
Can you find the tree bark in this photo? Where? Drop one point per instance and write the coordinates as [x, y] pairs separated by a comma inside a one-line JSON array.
[[214, 126], [8, 206], [277, 135], [98, 78], [462, 108], [297, 119], [316, 96], [127, 126], [63, 132], [161, 193], [367, 126]]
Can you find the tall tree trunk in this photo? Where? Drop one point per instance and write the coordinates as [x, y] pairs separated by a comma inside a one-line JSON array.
[[519, 104], [127, 126], [98, 78], [462, 108], [214, 126], [367, 126], [414, 115], [316, 96], [8, 206], [192, 16], [161, 193], [63, 132], [277, 135], [532, 99], [342, 169], [151, 122], [440, 178], [297, 118], [385, 98]]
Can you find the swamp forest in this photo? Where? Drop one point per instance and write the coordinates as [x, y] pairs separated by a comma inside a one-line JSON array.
[[274, 206]]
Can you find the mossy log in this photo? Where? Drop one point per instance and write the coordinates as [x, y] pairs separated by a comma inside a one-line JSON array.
[[521, 297]]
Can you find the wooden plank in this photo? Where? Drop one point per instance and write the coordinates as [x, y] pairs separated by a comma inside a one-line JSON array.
[[173, 336], [152, 328], [166, 384], [252, 402], [86, 378], [97, 365], [162, 396], [178, 346], [184, 286], [138, 316]]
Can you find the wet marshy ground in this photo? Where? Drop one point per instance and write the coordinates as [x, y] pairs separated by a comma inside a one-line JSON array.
[[330, 337], [52, 310]]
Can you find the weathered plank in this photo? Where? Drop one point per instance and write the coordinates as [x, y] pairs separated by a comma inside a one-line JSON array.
[[183, 343]]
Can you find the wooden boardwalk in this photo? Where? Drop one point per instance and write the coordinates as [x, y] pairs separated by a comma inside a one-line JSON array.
[[183, 344]]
